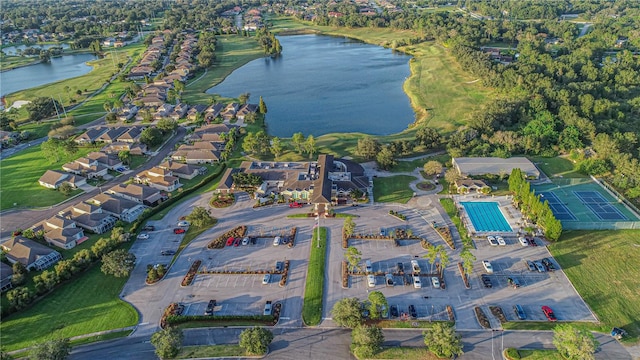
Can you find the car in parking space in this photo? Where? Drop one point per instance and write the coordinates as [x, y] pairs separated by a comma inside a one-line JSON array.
[[539, 266], [179, 309], [549, 313], [384, 312], [394, 311], [245, 241], [183, 223], [371, 280], [179, 231], [400, 268], [532, 241], [486, 281], [210, 306], [513, 282], [523, 241], [237, 242], [267, 308], [266, 279], [382, 232], [230, 241], [143, 236], [168, 252], [435, 282], [415, 266], [276, 241], [149, 228], [501, 241], [487, 266], [253, 240], [413, 312], [367, 266], [388, 279], [548, 264], [530, 265], [279, 266], [416, 282], [492, 240], [295, 204], [519, 312]]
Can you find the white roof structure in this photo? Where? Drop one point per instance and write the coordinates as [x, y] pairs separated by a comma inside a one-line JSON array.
[[493, 165]]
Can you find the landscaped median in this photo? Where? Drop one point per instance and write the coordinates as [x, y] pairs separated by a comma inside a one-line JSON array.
[[312, 307], [517, 354]]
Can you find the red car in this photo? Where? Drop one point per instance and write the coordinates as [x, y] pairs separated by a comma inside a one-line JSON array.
[[237, 242], [179, 231], [230, 241], [295, 205], [549, 313]]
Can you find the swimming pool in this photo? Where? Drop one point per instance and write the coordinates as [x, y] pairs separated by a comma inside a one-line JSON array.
[[486, 216]]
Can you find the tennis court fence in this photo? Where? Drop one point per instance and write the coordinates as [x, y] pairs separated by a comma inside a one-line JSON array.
[[617, 195], [613, 225]]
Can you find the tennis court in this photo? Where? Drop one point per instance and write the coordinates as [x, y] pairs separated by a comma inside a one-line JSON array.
[[599, 205], [486, 216], [560, 210]]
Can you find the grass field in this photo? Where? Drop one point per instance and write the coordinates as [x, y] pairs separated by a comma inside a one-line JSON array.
[[406, 353], [393, 189], [592, 260], [11, 62], [312, 306], [409, 166], [87, 304], [556, 167], [211, 351], [515, 354], [20, 174]]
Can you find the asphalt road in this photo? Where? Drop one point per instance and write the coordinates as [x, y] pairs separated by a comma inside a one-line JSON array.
[[25, 218]]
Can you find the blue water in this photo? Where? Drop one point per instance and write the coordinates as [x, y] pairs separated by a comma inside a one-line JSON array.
[[324, 84], [486, 216]]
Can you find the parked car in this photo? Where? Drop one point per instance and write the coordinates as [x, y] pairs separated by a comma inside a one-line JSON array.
[[549, 313], [530, 265], [276, 241], [384, 312], [179, 231], [143, 236], [371, 280], [486, 281], [519, 312], [400, 268], [539, 266], [179, 309], [253, 240], [149, 228], [435, 282], [295, 204], [416, 282], [266, 279], [210, 306], [367, 266], [487, 266], [394, 311], [618, 333], [230, 241], [413, 312], [492, 240], [388, 278], [523, 241], [532, 242], [548, 264], [245, 241], [183, 223], [513, 282], [415, 266], [365, 310], [237, 242], [279, 266], [267, 308], [168, 252], [383, 232], [501, 241]]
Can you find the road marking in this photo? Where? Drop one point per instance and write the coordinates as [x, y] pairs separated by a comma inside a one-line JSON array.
[[284, 318]]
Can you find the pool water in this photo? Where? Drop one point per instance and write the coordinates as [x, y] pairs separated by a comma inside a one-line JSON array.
[[486, 216]]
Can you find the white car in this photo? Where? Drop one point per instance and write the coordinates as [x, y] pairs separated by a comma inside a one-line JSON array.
[[487, 266], [371, 280], [266, 279], [415, 266], [492, 240], [435, 282], [416, 282], [245, 241], [276, 241], [183, 223], [501, 241], [143, 236], [523, 241]]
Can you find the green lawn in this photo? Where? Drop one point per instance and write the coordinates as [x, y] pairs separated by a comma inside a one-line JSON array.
[[87, 304], [10, 62], [556, 166], [409, 166], [405, 353], [450, 209], [393, 189], [515, 354], [603, 267], [211, 351], [20, 174], [312, 306]]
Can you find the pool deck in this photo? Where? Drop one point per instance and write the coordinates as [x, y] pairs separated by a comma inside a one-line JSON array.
[[510, 213]]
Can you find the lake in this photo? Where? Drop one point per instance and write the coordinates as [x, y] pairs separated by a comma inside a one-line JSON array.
[[323, 84], [60, 68]]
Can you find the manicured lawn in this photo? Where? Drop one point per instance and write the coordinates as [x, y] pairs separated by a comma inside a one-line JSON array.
[[603, 267], [556, 166], [533, 354], [20, 174], [312, 306], [87, 304], [211, 351], [409, 166], [10, 62], [393, 189], [405, 353]]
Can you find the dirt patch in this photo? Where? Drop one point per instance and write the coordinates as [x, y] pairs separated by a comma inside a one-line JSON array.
[[425, 186]]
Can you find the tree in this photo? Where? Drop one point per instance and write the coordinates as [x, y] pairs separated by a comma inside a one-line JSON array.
[[166, 125], [377, 303], [65, 188], [443, 341], [19, 297], [349, 226], [118, 263], [428, 137], [310, 145], [200, 217], [167, 342], [125, 156], [367, 148], [451, 175], [19, 274], [385, 159], [366, 340], [298, 141], [244, 97], [58, 349], [353, 256], [151, 136], [467, 261], [256, 340], [432, 167], [573, 343], [250, 143], [111, 118], [276, 147], [347, 312], [41, 108], [262, 107]]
